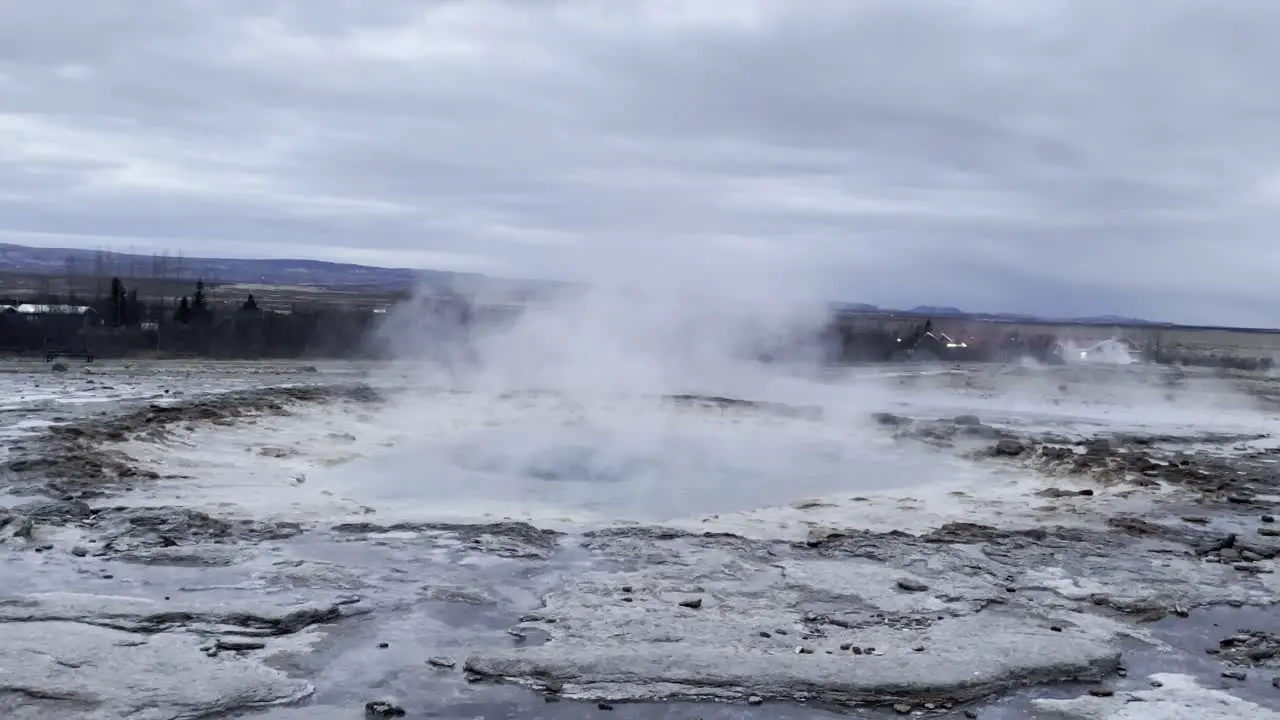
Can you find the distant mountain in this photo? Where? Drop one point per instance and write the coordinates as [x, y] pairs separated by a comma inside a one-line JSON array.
[[61, 261], [945, 311], [1111, 320], [338, 276], [935, 310]]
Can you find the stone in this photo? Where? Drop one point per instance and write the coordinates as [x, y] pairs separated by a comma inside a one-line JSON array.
[[911, 585], [1010, 447], [382, 709]]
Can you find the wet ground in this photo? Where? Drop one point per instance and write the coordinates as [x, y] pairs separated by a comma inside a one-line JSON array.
[[286, 541]]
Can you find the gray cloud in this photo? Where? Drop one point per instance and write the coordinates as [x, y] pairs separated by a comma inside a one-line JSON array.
[[1080, 156]]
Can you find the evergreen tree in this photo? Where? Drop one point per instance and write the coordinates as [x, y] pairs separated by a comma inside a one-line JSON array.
[[183, 313], [250, 304], [199, 303], [116, 308]]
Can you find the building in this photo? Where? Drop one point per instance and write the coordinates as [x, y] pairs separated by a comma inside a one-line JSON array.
[[82, 314]]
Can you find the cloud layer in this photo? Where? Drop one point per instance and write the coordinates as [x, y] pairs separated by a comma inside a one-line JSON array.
[[1065, 156]]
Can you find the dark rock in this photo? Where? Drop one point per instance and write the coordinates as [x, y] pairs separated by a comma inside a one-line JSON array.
[[1101, 692], [382, 709], [238, 645], [1009, 448], [691, 603], [911, 585]]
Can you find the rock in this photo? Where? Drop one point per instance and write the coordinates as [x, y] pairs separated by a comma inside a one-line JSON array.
[[1009, 447], [1235, 675], [1268, 518], [902, 708], [1102, 692], [79, 551], [755, 700], [58, 367], [971, 714], [24, 528], [967, 420], [691, 603], [238, 645], [441, 662], [604, 706], [818, 536], [911, 585], [382, 709], [79, 670]]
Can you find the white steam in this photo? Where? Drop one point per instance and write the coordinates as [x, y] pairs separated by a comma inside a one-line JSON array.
[[674, 333]]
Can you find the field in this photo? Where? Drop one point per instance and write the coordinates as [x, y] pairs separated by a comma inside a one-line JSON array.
[[84, 288]]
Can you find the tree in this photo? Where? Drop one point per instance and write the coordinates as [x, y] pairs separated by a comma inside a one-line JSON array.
[[199, 303], [250, 304], [200, 310], [133, 308], [183, 313], [117, 303]]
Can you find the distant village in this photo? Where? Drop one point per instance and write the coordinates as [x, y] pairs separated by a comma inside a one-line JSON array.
[[120, 323]]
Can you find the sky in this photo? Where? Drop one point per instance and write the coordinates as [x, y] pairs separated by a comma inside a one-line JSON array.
[[1064, 157]]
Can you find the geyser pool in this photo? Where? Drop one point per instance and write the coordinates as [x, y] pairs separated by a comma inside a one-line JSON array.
[[625, 459]]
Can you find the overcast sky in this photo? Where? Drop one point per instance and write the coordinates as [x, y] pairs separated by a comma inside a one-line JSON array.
[[1056, 156]]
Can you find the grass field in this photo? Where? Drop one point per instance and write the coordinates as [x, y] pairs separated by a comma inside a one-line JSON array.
[[83, 289]]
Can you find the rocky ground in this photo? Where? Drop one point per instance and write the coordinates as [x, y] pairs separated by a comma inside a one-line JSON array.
[[1101, 571]]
